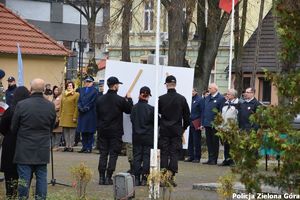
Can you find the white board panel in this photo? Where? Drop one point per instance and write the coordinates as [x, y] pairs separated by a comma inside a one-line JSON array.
[[126, 72]]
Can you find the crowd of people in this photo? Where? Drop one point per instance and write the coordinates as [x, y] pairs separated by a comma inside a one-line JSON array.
[[65, 114]]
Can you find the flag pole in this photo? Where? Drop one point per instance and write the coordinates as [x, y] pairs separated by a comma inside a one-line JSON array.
[[155, 153], [231, 44]]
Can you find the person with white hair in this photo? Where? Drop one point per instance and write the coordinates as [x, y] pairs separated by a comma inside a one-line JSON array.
[[213, 102], [229, 115]]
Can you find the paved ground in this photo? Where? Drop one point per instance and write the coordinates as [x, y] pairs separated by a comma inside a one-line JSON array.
[[189, 174]]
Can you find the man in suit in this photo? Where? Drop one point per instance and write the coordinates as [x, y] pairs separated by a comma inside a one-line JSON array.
[[33, 121], [246, 109], [213, 103], [194, 147]]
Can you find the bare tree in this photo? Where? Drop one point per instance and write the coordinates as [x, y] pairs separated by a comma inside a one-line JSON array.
[[126, 21], [238, 44], [260, 19], [210, 37], [90, 9], [178, 26]]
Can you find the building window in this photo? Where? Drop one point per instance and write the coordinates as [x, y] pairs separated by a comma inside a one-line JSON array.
[[212, 78], [148, 15], [265, 90], [143, 61], [246, 82], [67, 44]]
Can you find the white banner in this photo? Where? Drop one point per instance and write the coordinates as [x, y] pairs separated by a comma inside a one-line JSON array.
[[126, 73]]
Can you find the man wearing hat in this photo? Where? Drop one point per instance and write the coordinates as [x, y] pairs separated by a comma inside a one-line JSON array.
[[100, 93], [9, 93], [175, 115], [142, 118], [101, 87], [87, 114], [110, 108]]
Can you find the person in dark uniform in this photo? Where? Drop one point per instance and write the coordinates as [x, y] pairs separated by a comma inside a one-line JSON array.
[[100, 93], [175, 118], [9, 93], [87, 114], [142, 118], [110, 108], [194, 148], [246, 109], [213, 102]]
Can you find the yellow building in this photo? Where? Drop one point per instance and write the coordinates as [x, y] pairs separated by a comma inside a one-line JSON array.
[[42, 56], [142, 36]]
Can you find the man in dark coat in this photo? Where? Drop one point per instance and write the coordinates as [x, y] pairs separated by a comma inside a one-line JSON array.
[[110, 109], [9, 93], [33, 121], [175, 114], [213, 103], [100, 93], [142, 118], [194, 148], [87, 114], [246, 109]]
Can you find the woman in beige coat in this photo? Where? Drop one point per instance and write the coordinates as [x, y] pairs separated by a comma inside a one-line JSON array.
[[57, 131], [69, 114]]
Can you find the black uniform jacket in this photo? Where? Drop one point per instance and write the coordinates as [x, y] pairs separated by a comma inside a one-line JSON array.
[[175, 114], [110, 108], [142, 118]]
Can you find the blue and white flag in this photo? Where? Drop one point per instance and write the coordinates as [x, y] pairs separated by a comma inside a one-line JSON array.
[[20, 67]]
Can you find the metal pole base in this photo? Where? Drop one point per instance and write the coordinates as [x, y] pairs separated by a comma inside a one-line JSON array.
[[154, 172]]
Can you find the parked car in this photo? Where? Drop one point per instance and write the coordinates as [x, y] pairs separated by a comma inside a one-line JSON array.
[[296, 122]]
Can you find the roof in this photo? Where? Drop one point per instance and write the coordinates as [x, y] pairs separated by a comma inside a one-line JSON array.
[[269, 48], [14, 29]]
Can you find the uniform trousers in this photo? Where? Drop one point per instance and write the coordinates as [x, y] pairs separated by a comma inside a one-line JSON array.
[[170, 148], [110, 147], [141, 159], [87, 140], [194, 148]]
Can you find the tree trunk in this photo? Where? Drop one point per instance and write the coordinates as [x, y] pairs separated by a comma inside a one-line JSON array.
[[210, 39], [126, 16], [254, 71], [238, 64], [176, 51], [190, 7]]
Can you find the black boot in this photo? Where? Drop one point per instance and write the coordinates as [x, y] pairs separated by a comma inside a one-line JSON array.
[[172, 180], [108, 180], [144, 180], [102, 178], [137, 180]]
